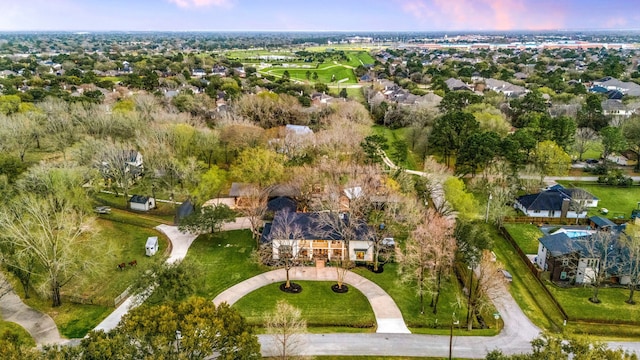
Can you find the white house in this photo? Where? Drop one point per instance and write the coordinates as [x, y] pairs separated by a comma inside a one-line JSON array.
[[557, 202], [311, 238]]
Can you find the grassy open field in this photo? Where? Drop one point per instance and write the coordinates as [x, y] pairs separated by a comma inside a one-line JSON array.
[[618, 200], [612, 317], [526, 236], [245, 54], [325, 73], [413, 162], [10, 330], [319, 305], [101, 286]]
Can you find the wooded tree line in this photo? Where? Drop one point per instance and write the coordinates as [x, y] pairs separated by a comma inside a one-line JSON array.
[[57, 154]]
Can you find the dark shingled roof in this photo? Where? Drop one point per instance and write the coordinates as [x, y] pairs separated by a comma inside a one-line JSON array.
[[560, 244], [139, 199], [602, 222], [311, 226], [551, 199], [282, 203], [185, 209], [546, 200]]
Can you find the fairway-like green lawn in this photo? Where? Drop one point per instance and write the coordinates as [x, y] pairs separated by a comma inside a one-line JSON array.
[[526, 236], [105, 282], [618, 200], [325, 74], [359, 58], [320, 306], [225, 259]]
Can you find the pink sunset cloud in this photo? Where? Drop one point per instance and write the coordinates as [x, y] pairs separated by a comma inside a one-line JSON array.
[[486, 14]]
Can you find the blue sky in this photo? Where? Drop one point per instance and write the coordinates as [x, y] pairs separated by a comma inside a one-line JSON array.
[[322, 15]]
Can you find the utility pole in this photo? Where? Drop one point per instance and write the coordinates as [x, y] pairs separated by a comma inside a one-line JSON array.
[[451, 341], [486, 215]]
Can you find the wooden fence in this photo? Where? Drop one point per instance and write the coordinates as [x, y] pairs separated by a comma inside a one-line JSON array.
[[122, 297], [543, 220]]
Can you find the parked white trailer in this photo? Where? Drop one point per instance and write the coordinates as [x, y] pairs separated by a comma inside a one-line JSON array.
[[151, 248]]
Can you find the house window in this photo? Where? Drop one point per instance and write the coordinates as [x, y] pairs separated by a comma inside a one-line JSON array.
[[360, 253], [563, 275], [565, 262]]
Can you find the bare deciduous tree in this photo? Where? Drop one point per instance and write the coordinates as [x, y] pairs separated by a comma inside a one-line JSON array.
[[487, 287], [56, 234], [286, 327], [598, 258], [114, 162], [580, 199], [428, 256], [286, 246], [632, 259], [253, 207], [585, 138]]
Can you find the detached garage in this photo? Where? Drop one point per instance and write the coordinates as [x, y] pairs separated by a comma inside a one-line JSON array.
[[142, 203]]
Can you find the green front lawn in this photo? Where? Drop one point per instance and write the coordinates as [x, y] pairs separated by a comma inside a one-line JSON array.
[[526, 236], [405, 296], [612, 307], [225, 259], [319, 305]]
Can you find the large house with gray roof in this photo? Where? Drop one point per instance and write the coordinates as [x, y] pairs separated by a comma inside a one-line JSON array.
[[610, 83], [313, 236], [566, 256], [557, 202]]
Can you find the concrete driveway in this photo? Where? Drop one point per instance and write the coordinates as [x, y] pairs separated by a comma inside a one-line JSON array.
[[388, 315]]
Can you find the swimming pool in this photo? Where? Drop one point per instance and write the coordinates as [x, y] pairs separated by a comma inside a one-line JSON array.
[[577, 233]]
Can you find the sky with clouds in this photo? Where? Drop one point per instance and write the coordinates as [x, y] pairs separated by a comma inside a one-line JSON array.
[[324, 15]]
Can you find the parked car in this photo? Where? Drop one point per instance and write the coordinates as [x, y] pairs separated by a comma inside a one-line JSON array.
[[591, 161], [102, 209]]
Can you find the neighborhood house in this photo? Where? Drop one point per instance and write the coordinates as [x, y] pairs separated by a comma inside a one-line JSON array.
[[567, 254], [315, 239], [557, 202]]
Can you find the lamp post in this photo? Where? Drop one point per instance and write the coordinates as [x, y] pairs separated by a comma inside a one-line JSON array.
[[486, 215], [496, 316], [454, 321]]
